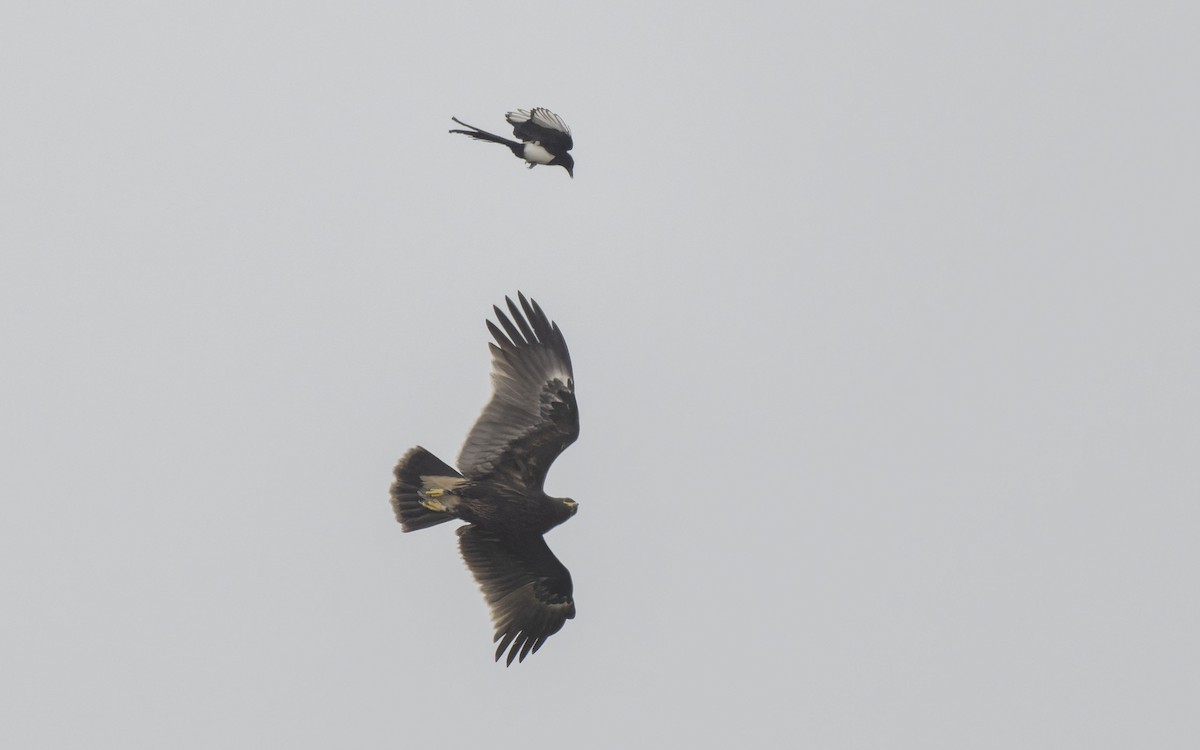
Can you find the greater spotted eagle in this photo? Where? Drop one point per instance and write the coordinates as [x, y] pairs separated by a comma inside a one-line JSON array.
[[531, 418]]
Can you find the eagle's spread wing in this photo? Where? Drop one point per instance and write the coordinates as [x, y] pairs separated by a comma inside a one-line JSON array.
[[532, 416], [543, 126], [527, 588]]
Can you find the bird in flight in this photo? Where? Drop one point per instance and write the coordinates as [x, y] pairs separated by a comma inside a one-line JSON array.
[[531, 418], [545, 138]]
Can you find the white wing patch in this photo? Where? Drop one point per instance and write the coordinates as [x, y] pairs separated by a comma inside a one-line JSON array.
[[540, 116], [548, 119]]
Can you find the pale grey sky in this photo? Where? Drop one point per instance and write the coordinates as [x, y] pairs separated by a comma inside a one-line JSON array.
[[884, 325]]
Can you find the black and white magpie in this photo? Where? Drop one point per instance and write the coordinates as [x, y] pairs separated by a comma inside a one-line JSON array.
[[545, 138]]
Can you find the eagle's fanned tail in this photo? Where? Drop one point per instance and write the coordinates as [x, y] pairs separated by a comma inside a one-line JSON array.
[[406, 498]]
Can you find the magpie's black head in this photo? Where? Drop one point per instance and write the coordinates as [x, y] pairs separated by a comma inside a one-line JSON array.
[[566, 162]]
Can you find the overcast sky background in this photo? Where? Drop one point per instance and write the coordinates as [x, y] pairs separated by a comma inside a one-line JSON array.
[[885, 331]]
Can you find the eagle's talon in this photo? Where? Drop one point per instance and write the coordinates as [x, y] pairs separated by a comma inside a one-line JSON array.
[[433, 505]]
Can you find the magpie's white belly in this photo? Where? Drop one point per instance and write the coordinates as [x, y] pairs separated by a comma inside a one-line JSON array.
[[535, 154]]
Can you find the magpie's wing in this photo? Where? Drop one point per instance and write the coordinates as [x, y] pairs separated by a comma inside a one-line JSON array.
[[543, 126], [532, 416], [527, 589]]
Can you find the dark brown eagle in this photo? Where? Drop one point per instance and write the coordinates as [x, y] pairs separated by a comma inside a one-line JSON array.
[[531, 418]]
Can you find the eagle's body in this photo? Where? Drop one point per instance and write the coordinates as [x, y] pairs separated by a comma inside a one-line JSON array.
[[492, 505], [531, 418]]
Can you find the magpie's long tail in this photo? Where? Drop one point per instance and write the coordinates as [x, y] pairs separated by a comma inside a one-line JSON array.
[[483, 135], [419, 470]]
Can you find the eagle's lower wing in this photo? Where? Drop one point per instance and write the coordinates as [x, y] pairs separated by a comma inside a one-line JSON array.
[[526, 587], [543, 126], [532, 416]]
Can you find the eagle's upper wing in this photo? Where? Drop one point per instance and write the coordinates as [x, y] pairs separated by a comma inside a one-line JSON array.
[[532, 416], [527, 588], [543, 126]]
